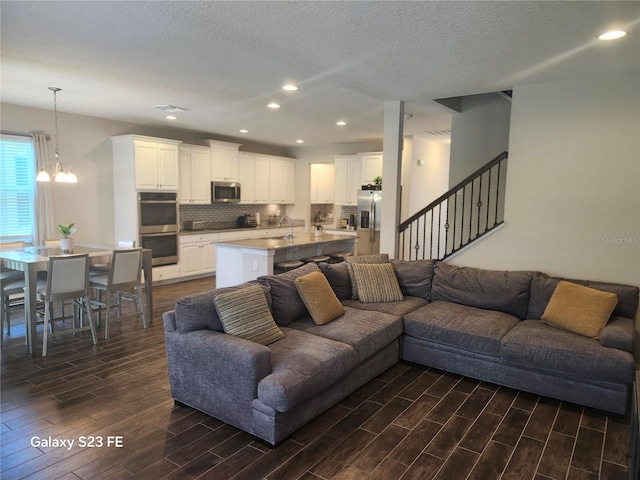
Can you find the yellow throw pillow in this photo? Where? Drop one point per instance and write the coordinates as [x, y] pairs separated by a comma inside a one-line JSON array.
[[319, 297], [245, 313], [377, 282], [579, 309]]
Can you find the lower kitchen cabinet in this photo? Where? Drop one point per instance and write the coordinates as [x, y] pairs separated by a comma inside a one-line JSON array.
[[197, 254]]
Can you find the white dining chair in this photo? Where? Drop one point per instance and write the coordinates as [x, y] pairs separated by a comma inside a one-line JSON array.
[[103, 268], [67, 279], [122, 279], [11, 288]]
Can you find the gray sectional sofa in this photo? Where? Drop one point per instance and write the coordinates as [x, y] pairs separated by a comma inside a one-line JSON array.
[[479, 323]]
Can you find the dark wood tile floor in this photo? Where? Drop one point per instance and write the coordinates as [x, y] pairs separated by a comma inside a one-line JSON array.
[[411, 423]]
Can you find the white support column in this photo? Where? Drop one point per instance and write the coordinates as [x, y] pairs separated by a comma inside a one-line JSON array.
[[391, 177]]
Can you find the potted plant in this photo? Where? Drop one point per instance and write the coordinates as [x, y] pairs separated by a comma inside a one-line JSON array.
[[317, 228], [66, 242], [378, 182]]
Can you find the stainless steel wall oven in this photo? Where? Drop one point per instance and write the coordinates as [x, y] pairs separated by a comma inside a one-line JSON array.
[[158, 225], [158, 212], [164, 247]]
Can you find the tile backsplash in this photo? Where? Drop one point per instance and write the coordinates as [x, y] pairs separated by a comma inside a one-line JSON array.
[[222, 213]]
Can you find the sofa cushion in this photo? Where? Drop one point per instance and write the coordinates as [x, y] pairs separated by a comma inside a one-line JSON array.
[[365, 332], [467, 328], [373, 258], [302, 365], [245, 313], [543, 286], [415, 277], [535, 345], [338, 276], [376, 283], [399, 309], [579, 309], [489, 289], [286, 304], [317, 295], [197, 311]]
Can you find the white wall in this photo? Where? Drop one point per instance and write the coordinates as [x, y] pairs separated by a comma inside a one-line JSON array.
[[479, 133], [573, 183], [422, 184]]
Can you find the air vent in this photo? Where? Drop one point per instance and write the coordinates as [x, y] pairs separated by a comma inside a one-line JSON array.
[[171, 108], [438, 133]]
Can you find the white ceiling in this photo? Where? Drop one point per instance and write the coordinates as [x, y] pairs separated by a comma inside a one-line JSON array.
[[225, 61]]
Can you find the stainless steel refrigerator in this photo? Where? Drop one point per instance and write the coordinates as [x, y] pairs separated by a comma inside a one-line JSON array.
[[369, 212]]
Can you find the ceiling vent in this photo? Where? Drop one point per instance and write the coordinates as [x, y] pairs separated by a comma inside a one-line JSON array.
[[171, 108], [439, 133]]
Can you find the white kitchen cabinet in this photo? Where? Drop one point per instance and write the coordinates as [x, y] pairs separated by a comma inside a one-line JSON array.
[[371, 167], [282, 173], [165, 273], [224, 161], [322, 182], [195, 175], [253, 175], [198, 254], [151, 162], [347, 179]]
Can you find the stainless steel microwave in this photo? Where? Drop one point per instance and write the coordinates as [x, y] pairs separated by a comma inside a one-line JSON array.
[[225, 192]]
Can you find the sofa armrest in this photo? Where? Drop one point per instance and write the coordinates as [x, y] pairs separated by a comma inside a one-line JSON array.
[[619, 333], [169, 319], [216, 373]]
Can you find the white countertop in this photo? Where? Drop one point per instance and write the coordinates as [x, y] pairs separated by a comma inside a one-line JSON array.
[[277, 243]]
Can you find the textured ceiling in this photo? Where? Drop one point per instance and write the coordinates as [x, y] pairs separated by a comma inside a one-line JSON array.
[[225, 61]]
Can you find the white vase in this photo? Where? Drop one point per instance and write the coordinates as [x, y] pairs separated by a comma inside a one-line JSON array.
[[66, 245], [318, 233]]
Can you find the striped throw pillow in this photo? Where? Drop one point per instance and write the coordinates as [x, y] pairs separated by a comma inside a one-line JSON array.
[[377, 282], [373, 258], [245, 313]]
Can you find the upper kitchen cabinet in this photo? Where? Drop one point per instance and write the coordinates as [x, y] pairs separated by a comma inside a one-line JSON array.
[[322, 182], [371, 166], [253, 175], [195, 175], [282, 172], [152, 163], [347, 179], [224, 161]]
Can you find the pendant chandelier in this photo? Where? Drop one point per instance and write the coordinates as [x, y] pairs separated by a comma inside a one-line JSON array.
[[59, 173]]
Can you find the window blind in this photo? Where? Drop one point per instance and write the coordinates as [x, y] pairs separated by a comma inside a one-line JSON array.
[[17, 188]]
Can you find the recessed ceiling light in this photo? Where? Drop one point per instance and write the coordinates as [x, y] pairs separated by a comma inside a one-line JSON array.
[[612, 35], [290, 87], [171, 117], [299, 141], [274, 105], [244, 130], [341, 123]]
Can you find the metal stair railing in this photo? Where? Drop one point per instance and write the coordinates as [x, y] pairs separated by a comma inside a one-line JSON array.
[[464, 214]]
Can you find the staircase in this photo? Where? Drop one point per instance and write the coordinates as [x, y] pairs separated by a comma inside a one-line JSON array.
[[463, 215]]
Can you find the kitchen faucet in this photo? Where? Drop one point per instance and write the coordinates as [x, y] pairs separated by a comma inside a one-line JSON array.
[[290, 236]]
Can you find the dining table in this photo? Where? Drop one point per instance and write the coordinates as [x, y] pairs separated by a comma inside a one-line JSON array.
[[34, 259]]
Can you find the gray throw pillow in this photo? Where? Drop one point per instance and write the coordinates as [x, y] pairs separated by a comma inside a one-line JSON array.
[[286, 304]]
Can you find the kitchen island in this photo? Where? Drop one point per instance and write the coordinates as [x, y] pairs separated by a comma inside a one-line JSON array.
[[239, 261]]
